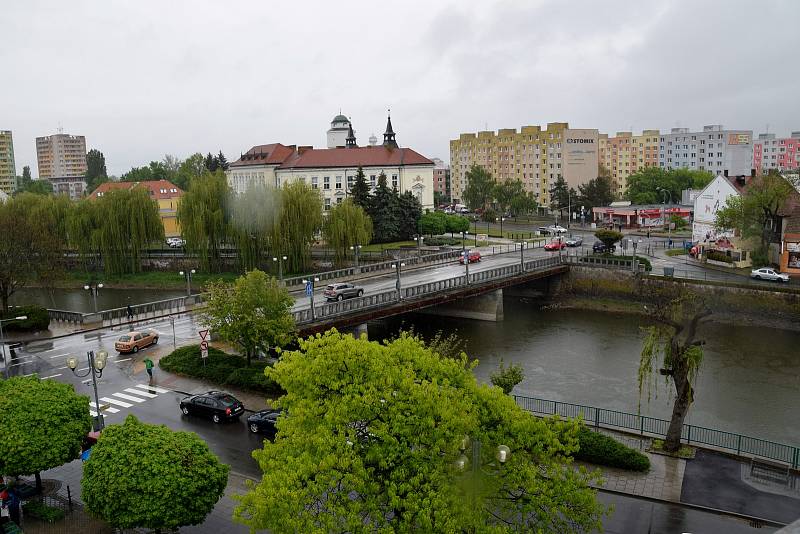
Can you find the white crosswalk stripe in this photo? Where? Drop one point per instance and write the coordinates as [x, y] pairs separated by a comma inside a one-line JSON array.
[[93, 413], [116, 402], [152, 388], [128, 397], [141, 392], [103, 408]]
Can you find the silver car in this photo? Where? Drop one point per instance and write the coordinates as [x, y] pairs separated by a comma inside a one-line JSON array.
[[342, 291], [574, 241], [765, 273]]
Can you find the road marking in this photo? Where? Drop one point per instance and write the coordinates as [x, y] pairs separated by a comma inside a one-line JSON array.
[[23, 376], [153, 388], [59, 355], [117, 402], [140, 392], [123, 360], [59, 368], [104, 408], [128, 397], [93, 413], [51, 376]]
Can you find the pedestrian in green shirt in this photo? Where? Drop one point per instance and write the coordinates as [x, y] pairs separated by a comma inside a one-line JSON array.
[[148, 365]]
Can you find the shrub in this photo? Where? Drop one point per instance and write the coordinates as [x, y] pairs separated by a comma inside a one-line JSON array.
[[507, 377], [441, 241], [43, 512], [608, 237], [599, 449], [253, 377], [716, 255], [38, 319]]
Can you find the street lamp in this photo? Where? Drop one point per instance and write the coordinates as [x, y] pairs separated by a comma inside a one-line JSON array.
[[188, 275], [2, 339], [635, 244], [501, 219], [521, 256], [464, 240], [418, 238], [501, 454], [356, 249], [94, 288], [399, 266], [280, 260], [310, 292], [96, 365], [465, 256]]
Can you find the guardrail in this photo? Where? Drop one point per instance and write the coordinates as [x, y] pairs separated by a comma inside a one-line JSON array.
[[119, 315], [644, 425], [64, 316], [344, 307]]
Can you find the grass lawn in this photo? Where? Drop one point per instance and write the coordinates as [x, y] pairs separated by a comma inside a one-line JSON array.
[[675, 252], [378, 247], [151, 279]]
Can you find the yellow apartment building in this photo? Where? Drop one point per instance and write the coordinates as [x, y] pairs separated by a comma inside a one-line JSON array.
[[626, 154], [8, 171], [165, 193]]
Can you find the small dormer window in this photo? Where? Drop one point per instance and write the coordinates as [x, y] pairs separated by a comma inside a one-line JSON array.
[[173, 190], [162, 191]]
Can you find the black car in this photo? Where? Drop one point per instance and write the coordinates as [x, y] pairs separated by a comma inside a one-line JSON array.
[[216, 405], [600, 248], [264, 421]]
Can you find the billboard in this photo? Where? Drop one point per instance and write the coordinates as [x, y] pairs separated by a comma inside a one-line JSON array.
[[738, 139], [580, 156]]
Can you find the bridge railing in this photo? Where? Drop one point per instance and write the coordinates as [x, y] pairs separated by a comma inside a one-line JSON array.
[[64, 316], [644, 425]]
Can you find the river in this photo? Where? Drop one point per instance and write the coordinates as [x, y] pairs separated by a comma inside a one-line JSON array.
[[81, 300], [749, 381]]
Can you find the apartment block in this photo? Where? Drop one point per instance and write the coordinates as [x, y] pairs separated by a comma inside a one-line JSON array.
[[771, 153], [62, 160], [532, 155], [441, 177], [626, 154], [8, 171], [713, 149]]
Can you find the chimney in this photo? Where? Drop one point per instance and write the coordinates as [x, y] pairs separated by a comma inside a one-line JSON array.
[[302, 149]]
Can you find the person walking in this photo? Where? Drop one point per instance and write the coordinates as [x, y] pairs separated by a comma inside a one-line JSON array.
[[129, 310], [148, 365]]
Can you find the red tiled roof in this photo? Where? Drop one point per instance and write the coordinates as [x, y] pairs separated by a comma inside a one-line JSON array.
[[154, 187], [272, 154], [369, 156]]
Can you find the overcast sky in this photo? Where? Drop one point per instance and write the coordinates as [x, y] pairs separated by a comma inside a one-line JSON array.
[[145, 78]]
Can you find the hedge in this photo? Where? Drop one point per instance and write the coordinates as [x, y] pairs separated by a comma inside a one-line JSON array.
[[38, 319], [220, 368], [716, 255], [599, 449], [441, 241], [43, 512]]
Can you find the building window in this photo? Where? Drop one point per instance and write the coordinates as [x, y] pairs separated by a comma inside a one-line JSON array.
[[326, 182], [338, 182], [327, 204], [314, 182]]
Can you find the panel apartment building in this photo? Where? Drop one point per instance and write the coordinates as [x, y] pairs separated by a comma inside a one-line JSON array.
[[534, 156], [715, 149], [8, 171], [62, 160], [626, 154], [781, 154]]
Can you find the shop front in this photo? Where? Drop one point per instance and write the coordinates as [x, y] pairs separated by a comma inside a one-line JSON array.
[[790, 254]]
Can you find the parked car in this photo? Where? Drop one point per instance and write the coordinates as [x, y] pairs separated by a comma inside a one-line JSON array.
[[556, 229], [600, 248], [473, 256], [133, 341], [574, 241], [216, 405], [176, 242], [765, 273], [555, 244], [264, 422], [342, 291]]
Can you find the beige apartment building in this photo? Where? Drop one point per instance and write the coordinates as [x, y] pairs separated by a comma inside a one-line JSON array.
[[532, 155], [8, 171], [626, 154], [62, 161]]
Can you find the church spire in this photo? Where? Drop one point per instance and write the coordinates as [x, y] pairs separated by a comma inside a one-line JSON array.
[[388, 135], [351, 137]]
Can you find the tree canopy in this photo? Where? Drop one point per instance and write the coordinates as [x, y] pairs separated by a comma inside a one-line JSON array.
[[432, 223], [299, 221], [647, 186], [42, 424], [359, 192], [480, 189], [374, 435], [346, 225], [203, 219], [595, 192], [254, 312], [148, 476], [96, 172]]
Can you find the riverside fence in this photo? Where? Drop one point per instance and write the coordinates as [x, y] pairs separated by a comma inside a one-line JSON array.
[[644, 425]]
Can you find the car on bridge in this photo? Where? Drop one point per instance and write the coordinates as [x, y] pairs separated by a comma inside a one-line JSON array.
[[473, 256], [342, 291], [555, 244], [176, 242], [133, 341], [574, 241], [216, 405], [765, 273]]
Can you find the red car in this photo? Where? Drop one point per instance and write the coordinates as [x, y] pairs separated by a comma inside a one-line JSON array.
[[472, 255], [556, 244]]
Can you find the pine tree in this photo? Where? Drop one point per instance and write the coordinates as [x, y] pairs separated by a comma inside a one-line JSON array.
[[222, 161], [360, 191], [384, 213], [211, 163], [409, 211]]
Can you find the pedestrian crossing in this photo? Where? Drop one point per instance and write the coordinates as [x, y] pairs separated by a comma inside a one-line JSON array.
[[127, 398]]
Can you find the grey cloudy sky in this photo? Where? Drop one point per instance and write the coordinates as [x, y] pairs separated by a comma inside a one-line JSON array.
[[144, 78]]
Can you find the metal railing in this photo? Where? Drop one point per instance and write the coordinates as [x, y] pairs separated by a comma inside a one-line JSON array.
[[740, 444], [64, 316], [150, 309]]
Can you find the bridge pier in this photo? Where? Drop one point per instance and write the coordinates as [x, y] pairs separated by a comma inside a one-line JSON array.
[[485, 307]]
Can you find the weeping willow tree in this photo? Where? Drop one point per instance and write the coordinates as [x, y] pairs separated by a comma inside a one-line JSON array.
[[203, 219], [299, 221], [127, 221], [346, 225], [253, 217], [673, 339], [82, 222]]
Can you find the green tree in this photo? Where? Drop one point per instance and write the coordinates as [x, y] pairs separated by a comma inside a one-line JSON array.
[[373, 435], [254, 312], [432, 223], [409, 210], [489, 215], [300, 220], [506, 192], [455, 224], [253, 217], [42, 425], [383, 212], [559, 195], [211, 163], [347, 225], [148, 476], [37, 187], [203, 220], [524, 204], [96, 172], [653, 185], [360, 190], [189, 169], [506, 378], [222, 161], [754, 214], [480, 189], [673, 340], [608, 237], [439, 199], [595, 192], [24, 181]]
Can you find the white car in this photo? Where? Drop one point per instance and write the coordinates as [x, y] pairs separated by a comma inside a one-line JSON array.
[[555, 229], [175, 242], [765, 273]]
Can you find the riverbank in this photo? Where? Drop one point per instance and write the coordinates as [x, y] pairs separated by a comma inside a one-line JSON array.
[[143, 280]]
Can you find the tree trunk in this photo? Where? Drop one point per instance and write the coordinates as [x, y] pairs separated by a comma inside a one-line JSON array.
[[683, 398], [38, 483]]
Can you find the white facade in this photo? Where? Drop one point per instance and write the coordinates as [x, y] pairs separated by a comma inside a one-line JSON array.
[[337, 135], [242, 178], [706, 204], [714, 149]]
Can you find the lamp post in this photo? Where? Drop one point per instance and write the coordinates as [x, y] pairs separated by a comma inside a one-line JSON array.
[[635, 244], [464, 241], [356, 249], [310, 292], [521, 256], [2, 338], [96, 365], [399, 267], [418, 238], [280, 260], [500, 219], [188, 275], [94, 288], [465, 256], [502, 453]]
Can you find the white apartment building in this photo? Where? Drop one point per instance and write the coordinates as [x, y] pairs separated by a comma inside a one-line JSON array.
[[715, 149]]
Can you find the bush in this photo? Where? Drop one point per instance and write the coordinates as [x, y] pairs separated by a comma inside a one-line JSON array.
[[608, 237], [716, 255], [220, 368], [38, 319], [599, 449], [441, 241], [43, 512], [507, 377]]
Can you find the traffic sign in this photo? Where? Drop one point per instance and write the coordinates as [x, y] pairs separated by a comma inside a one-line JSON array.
[[204, 349], [203, 334]]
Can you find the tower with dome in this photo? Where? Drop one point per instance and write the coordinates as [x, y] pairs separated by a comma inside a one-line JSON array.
[[340, 128]]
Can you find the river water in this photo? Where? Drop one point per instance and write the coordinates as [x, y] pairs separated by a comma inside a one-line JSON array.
[[749, 381], [80, 300]]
